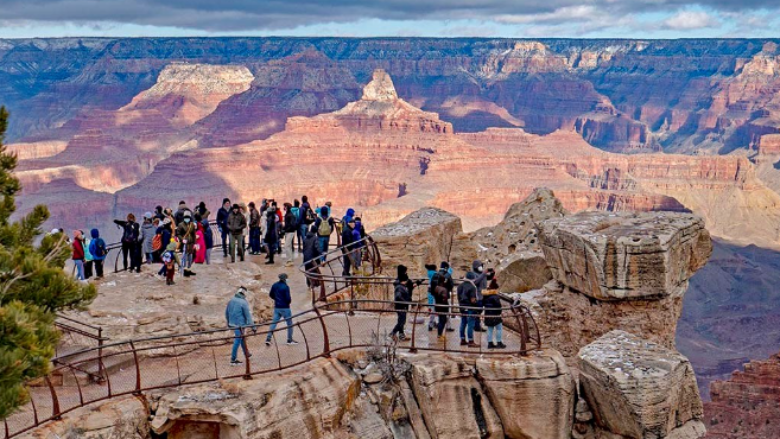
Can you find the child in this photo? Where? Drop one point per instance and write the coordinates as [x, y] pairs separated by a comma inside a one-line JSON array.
[[493, 321], [169, 260]]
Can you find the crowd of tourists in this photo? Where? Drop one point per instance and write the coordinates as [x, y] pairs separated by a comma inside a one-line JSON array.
[[181, 238]]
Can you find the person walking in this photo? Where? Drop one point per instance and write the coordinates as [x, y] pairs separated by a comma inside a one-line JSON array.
[[402, 295], [441, 278], [130, 233], [311, 254], [97, 247], [480, 281], [148, 233], [271, 238], [493, 320], [254, 230], [324, 225], [280, 294], [239, 316], [290, 232], [222, 216], [467, 301], [78, 254], [236, 223]]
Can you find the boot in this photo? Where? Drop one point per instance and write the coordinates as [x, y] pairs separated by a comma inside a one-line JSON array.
[[491, 345]]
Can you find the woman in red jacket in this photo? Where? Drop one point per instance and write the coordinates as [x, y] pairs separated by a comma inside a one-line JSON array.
[[78, 254]]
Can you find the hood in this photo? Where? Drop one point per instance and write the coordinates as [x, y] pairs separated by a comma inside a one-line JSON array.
[[402, 271], [147, 226], [350, 212], [476, 264], [94, 233], [471, 275]]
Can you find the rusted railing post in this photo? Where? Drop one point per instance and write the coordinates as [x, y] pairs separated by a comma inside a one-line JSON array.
[[351, 297], [325, 338], [137, 370], [413, 347], [247, 355], [55, 402]]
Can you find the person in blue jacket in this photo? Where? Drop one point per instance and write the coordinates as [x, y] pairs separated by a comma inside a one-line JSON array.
[[238, 316], [97, 247], [280, 294]]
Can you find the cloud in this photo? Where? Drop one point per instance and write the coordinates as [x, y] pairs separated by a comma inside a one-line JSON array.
[[691, 20], [221, 16]]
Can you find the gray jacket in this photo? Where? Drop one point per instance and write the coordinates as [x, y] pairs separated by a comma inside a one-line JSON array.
[[147, 236], [237, 312]]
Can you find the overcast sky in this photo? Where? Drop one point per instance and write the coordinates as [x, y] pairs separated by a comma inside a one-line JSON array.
[[441, 18]]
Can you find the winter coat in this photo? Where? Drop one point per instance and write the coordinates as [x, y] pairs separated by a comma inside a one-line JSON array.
[[290, 222], [310, 249], [480, 279], [280, 294], [271, 231], [467, 293], [492, 303], [236, 223], [208, 234], [254, 219], [304, 209], [165, 233], [96, 243], [179, 215], [78, 250], [238, 313], [222, 217], [348, 217], [347, 238], [401, 294], [147, 236], [130, 230], [186, 231]]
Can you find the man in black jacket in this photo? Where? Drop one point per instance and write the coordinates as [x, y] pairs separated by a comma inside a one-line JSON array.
[[467, 300], [347, 246], [402, 296], [311, 253], [222, 216]]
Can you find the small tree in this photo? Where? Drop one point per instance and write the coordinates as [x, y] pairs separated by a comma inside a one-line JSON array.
[[33, 287]]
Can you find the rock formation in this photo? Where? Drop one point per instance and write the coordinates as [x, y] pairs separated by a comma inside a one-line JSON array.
[[746, 405], [640, 390]]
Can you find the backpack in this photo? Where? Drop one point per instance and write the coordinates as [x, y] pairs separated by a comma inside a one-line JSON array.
[[157, 242], [310, 216], [324, 229], [130, 233], [441, 295], [167, 258], [97, 247]]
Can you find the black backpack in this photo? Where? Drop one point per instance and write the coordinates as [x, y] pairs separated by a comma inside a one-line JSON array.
[[130, 233]]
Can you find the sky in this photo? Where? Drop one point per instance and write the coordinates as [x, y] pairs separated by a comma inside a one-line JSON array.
[[403, 18]]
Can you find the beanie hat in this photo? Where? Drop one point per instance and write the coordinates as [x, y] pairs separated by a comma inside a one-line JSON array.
[[236, 206], [444, 265], [283, 277], [225, 200]]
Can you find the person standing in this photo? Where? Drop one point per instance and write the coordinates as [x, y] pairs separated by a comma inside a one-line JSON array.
[[493, 320], [271, 235], [130, 234], [200, 240], [305, 217], [148, 233], [280, 294], [347, 246], [88, 259], [222, 216], [186, 233], [402, 295], [480, 280], [179, 216], [208, 238], [236, 223], [254, 230], [239, 316], [296, 210], [324, 225], [97, 247], [441, 278], [467, 301], [311, 254], [290, 232], [78, 254]]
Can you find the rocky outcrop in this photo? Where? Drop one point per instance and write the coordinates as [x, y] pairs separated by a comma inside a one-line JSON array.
[[625, 256], [422, 237], [122, 418], [640, 390], [745, 406]]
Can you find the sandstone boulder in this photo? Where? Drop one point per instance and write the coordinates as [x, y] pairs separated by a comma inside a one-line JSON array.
[[451, 399], [616, 256], [121, 418], [533, 396], [512, 246], [305, 402], [638, 389], [422, 237]]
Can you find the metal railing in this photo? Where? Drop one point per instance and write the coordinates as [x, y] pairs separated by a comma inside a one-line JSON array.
[[347, 312]]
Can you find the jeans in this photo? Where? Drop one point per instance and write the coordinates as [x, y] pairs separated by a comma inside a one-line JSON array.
[[186, 260], [236, 241], [302, 235], [281, 313], [498, 330], [400, 323], [224, 233], [254, 239], [238, 341], [467, 322], [322, 244], [289, 242], [79, 268], [208, 256], [149, 258], [442, 323], [347, 262]]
